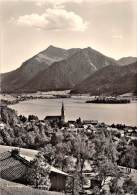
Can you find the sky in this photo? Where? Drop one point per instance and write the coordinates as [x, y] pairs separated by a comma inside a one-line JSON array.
[[30, 26]]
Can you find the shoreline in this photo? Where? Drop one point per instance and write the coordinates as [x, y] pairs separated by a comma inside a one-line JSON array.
[[15, 99], [26, 98], [53, 99]]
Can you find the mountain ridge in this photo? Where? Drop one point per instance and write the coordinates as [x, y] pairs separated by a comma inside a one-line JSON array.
[[127, 60], [109, 81], [31, 72]]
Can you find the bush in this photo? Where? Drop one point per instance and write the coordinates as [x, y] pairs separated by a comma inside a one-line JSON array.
[[130, 186]]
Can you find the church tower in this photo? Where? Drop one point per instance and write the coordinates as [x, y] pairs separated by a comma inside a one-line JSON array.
[[62, 113]]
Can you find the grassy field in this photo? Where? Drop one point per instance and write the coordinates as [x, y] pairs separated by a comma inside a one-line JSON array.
[[11, 188]]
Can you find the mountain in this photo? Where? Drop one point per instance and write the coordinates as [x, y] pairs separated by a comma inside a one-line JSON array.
[[127, 60], [98, 59], [16, 79], [67, 73], [110, 80], [62, 75], [54, 68]]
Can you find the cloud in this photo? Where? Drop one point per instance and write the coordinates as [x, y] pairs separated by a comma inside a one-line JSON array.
[[54, 19]]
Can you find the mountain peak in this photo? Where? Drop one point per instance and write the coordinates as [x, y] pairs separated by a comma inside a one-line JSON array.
[[88, 47], [51, 46]]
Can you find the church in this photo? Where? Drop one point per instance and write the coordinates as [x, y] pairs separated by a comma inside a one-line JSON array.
[[58, 118]]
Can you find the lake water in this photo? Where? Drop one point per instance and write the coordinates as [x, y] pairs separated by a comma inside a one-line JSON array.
[[76, 107]]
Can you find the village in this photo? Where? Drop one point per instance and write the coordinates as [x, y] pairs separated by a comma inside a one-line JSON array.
[[77, 157], [68, 97]]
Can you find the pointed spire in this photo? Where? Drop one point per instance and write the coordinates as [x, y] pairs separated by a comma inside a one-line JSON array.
[[62, 109]]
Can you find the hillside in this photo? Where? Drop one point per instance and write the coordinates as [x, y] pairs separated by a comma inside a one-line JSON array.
[[110, 80], [62, 75], [98, 59], [54, 68], [12, 188], [14, 80], [127, 60]]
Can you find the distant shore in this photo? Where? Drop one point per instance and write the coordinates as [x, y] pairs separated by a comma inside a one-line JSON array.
[[19, 98], [16, 98]]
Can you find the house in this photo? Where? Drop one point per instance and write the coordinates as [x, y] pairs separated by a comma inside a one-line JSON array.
[[58, 179], [71, 122], [58, 118], [87, 122], [13, 167], [92, 122]]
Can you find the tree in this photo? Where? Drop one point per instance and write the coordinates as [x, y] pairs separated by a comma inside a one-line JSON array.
[[30, 139], [18, 142], [106, 168], [79, 122], [115, 188], [49, 152], [9, 116], [22, 118], [32, 117], [77, 183], [38, 173], [1, 141], [7, 139], [128, 158], [105, 158], [83, 150], [62, 150], [129, 186], [104, 146]]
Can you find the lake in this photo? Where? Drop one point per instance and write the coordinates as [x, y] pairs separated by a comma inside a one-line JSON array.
[[76, 107]]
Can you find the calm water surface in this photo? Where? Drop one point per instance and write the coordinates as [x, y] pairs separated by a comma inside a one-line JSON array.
[[74, 108]]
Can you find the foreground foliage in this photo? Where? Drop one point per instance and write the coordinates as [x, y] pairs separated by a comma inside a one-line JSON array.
[[69, 152]]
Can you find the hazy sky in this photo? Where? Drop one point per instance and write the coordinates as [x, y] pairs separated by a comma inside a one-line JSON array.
[[29, 26]]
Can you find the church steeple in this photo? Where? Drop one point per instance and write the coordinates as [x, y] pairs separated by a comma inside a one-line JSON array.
[[62, 110], [62, 113]]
